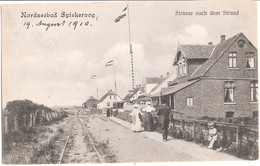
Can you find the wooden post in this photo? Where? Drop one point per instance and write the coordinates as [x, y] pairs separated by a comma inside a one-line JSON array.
[[182, 125], [30, 120], [15, 123], [6, 124], [24, 121], [34, 117], [238, 135], [193, 129]]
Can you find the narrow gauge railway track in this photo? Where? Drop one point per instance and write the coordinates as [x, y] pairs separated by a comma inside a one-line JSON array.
[[62, 157]]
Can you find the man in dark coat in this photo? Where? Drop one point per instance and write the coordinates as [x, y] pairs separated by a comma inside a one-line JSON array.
[[165, 115]]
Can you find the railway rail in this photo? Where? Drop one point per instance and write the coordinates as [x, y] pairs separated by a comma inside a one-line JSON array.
[[62, 158]]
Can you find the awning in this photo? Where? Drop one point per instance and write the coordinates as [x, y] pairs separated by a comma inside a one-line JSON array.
[[173, 89]]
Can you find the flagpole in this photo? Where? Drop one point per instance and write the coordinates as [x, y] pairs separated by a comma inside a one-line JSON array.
[[97, 88], [131, 51], [115, 80]]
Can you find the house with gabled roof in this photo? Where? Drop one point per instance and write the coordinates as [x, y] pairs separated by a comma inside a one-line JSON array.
[[108, 100], [91, 102], [149, 83], [214, 80], [134, 94], [164, 83]]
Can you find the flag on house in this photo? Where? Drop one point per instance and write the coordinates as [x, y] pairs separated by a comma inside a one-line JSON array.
[[93, 76], [110, 63], [121, 16]]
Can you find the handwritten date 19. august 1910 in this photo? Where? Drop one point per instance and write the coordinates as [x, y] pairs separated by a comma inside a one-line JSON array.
[[73, 24]]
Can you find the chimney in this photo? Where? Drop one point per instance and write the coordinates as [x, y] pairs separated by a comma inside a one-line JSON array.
[[168, 73], [222, 38], [211, 43]]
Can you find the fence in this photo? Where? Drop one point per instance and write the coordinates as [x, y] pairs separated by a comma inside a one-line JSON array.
[[239, 140], [15, 122]]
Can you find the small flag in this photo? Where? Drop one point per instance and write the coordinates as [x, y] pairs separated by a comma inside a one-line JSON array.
[[119, 18], [110, 63], [93, 76], [125, 9]]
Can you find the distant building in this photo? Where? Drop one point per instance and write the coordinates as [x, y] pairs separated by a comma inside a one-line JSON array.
[[108, 100], [91, 102], [150, 82], [214, 80], [164, 83], [134, 94]]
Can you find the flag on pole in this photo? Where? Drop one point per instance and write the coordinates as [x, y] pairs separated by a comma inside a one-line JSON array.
[[93, 76], [125, 9], [110, 63], [121, 16]]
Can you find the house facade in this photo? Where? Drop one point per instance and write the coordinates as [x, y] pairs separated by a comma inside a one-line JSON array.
[[214, 80], [108, 100]]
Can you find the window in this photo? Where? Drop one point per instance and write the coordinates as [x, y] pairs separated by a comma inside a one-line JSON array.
[[250, 60], [109, 96], [228, 92], [189, 101], [115, 97], [180, 69], [254, 91], [184, 68], [108, 103], [232, 60]]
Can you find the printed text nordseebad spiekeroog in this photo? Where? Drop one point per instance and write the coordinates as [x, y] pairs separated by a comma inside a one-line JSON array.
[[55, 15]]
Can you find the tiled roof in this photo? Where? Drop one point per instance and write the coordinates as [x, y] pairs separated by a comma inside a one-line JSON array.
[[175, 88], [154, 80], [197, 51], [131, 94], [128, 96], [217, 52]]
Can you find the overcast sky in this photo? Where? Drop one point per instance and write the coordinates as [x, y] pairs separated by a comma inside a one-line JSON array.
[[54, 67]]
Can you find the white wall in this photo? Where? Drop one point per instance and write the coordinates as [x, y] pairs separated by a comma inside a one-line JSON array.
[[111, 101]]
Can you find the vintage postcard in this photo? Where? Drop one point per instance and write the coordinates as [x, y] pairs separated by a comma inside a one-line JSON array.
[[129, 82]]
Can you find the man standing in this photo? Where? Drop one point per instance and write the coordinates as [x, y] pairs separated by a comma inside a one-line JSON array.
[[164, 113]]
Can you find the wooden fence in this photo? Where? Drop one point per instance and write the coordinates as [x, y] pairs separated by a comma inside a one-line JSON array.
[[12, 122], [236, 133]]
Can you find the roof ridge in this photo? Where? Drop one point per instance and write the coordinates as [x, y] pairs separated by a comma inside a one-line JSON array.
[[235, 38]]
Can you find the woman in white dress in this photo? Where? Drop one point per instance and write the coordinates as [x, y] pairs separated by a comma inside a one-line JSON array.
[[137, 119]]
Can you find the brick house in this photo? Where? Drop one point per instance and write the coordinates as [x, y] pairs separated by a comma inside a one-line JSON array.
[[214, 80]]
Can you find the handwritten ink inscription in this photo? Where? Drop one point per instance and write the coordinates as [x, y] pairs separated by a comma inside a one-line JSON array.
[[81, 20]]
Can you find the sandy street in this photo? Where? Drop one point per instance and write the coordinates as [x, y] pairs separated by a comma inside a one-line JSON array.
[[129, 146]]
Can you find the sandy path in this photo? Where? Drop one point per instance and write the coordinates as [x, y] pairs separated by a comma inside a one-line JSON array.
[[130, 146]]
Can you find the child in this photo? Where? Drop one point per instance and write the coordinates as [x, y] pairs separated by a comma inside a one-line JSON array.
[[212, 135]]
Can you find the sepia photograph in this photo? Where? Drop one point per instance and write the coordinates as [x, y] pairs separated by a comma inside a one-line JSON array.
[[129, 82]]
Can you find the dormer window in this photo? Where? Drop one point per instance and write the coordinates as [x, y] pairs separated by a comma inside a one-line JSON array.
[[182, 67]]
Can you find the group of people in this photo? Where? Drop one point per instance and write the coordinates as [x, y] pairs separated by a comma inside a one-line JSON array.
[[144, 120]]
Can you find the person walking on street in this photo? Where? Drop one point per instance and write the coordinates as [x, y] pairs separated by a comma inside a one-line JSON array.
[[148, 118], [164, 113], [137, 119]]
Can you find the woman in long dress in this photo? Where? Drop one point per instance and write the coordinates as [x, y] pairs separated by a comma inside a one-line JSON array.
[[137, 119]]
